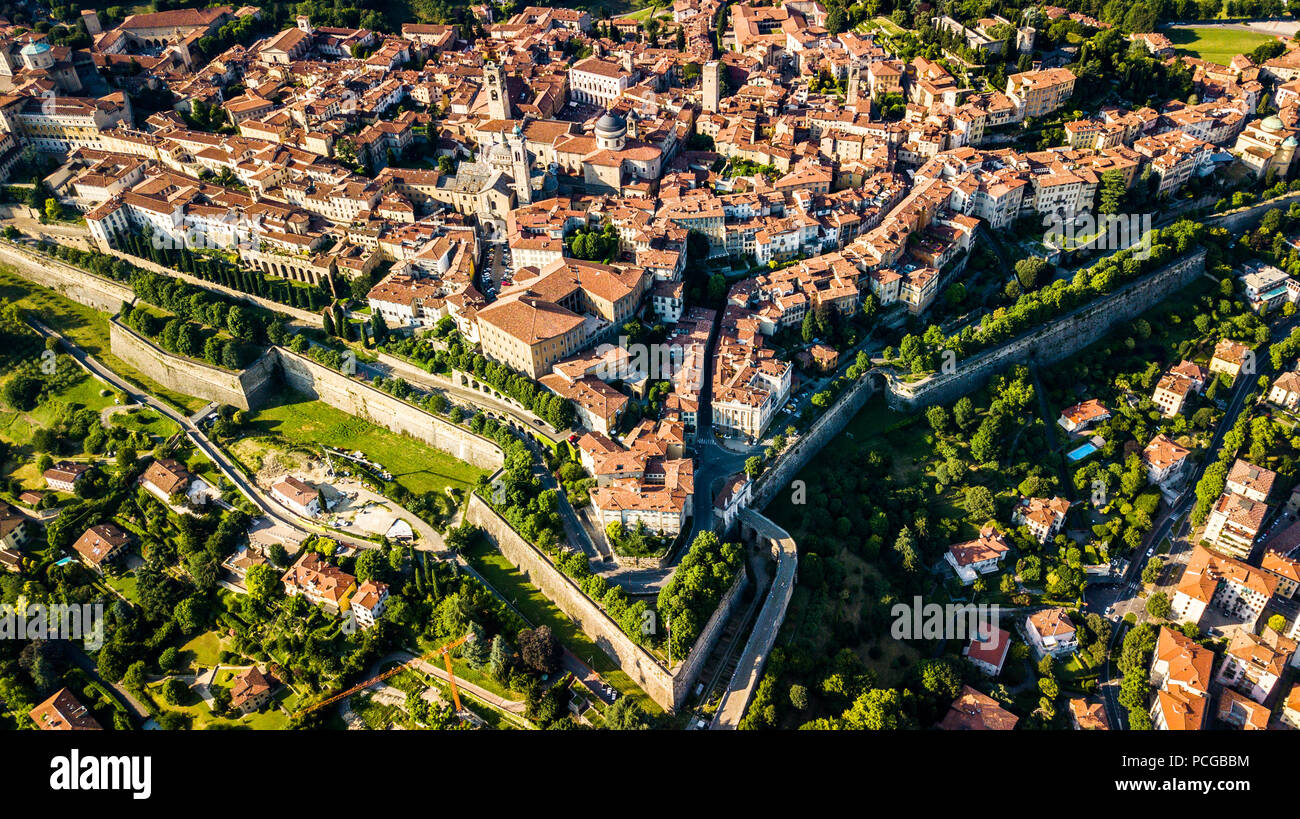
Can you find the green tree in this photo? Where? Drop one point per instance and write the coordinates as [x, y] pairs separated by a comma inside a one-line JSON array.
[[1112, 192], [1158, 605], [626, 715], [263, 583]]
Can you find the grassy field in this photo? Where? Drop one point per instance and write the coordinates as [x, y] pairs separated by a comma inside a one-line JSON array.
[[17, 427], [87, 328], [301, 421], [204, 650], [888, 26], [641, 15], [147, 421], [1218, 45]]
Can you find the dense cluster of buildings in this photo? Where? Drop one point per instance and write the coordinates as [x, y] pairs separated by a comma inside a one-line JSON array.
[[551, 183], [346, 150]]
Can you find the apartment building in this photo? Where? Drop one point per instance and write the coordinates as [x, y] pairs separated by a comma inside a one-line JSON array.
[[1234, 588], [369, 602], [1051, 631], [1234, 524], [1231, 357], [1038, 93], [1043, 516], [1250, 481], [1165, 460], [1254, 663], [1180, 672]]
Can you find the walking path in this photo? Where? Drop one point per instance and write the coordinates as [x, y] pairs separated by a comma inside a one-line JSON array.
[[749, 671]]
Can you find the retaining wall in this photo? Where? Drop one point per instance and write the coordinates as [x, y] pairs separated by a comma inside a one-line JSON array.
[[391, 413], [296, 314], [82, 287], [1053, 341], [668, 688], [780, 472], [246, 389]]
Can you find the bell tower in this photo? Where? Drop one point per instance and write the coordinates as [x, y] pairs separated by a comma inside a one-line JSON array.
[[494, 83]]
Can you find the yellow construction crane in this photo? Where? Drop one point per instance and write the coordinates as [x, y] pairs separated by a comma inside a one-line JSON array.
[[445, 651]]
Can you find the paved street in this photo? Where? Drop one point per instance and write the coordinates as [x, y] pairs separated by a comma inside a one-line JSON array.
[[265, 504], [1173, 523]]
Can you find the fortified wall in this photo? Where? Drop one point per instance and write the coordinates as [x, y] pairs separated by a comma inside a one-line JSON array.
[[391, 413], [668, 688], [1051, 342], [778, 475], [246, 389], [80, 286]]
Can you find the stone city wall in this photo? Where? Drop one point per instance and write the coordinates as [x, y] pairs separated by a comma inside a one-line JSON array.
[[364, 401], [247, 389]]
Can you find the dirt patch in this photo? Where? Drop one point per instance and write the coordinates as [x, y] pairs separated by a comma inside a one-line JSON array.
[[269, 463]]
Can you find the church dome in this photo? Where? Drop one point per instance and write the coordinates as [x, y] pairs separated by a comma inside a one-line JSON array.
[[1272, 124], [32, 49], [610, 126]]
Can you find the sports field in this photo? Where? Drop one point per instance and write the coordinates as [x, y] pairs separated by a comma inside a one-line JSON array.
[[1218, 45]]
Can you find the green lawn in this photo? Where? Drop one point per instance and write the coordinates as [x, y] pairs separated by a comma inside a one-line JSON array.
[[301, 421], [145, 420], [888, 26], [1218, 45], [85, 327], [17, 427], [271, 718], [539, 610], [205, 649], [125, 585], [641, 15]]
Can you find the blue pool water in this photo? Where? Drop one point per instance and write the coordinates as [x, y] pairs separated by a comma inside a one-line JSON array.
[[1082, 451]]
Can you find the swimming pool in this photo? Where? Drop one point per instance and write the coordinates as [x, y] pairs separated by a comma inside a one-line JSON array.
[[1082, 451]]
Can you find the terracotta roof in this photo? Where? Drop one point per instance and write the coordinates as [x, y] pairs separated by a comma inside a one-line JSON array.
[[63, 712], [1205, 570], [973, 711], [1052, 623], [1089, 714], [99, 541], [248, 684], [990, 544], [992, 650], [1162, 452], [1252, 477], [168, 475]]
